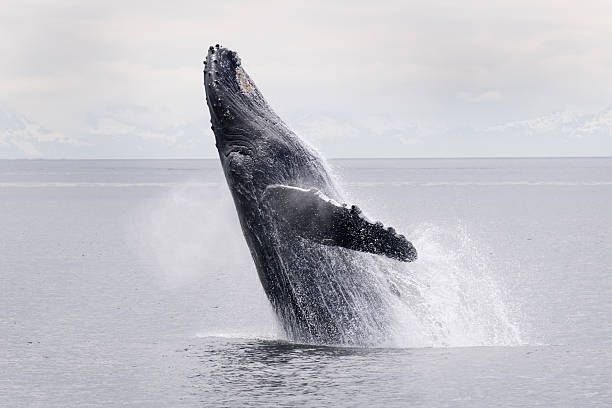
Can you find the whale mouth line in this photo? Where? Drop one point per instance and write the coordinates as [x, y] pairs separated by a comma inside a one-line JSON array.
[[237, 143], [237, 148], [239, 151]]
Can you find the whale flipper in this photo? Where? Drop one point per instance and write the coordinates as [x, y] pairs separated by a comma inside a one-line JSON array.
[[314, 216]]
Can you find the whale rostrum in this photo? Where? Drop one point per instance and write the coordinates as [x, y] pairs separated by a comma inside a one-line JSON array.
[[319, 260]]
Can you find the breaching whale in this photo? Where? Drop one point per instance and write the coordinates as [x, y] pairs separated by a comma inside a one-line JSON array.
[[314, 255]]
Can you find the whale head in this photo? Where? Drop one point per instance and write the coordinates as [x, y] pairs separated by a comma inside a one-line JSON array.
[[234, 103], [255, 146]]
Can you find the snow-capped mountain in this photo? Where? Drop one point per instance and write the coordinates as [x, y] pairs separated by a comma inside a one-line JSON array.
[[563, 124], [20, 137]]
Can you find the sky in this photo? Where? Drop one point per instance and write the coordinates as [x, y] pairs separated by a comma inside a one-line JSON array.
[[104, 79]]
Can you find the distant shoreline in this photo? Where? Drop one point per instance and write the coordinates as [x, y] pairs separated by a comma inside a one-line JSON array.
[[329, 159]]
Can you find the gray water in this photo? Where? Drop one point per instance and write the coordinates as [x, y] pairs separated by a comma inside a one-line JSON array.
[[128, 283]]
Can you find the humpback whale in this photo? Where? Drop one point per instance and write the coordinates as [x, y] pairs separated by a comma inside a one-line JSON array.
[[314, 255]]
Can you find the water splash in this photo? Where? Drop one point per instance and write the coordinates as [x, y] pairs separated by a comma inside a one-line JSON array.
[[449, 297]]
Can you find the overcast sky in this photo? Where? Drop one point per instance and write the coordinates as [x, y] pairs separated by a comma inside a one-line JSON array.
[[82, 79]]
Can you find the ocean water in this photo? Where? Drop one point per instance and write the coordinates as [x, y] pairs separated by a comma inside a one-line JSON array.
[[128, 283]]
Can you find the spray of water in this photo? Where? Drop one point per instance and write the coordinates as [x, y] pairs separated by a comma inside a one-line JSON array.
[[191, 232], [449, 297]]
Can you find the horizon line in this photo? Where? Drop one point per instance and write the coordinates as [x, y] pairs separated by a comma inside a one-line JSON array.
[[330, 158]]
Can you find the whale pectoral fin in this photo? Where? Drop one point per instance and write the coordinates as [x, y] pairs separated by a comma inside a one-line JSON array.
[[314, 216]]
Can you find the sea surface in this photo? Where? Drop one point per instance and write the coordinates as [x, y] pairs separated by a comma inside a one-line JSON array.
[[128, 283]]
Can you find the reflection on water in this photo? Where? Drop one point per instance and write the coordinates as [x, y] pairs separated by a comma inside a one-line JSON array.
[[259, 371], [248, 372]]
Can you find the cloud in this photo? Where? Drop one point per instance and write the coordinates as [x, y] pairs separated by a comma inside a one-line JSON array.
[[487, 96]]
